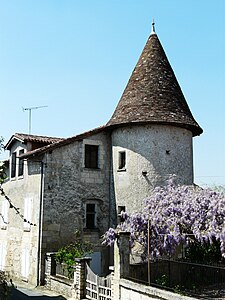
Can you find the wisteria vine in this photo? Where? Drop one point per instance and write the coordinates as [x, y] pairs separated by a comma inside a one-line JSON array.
[[175, 215]]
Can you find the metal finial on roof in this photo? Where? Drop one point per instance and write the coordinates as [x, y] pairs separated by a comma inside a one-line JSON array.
[[153, 27]]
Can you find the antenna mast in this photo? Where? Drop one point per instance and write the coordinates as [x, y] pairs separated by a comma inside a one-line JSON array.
[[30, 109]]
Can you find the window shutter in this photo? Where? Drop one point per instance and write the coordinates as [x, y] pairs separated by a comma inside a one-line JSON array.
[[25, 263], [27, 213], [4, 217], [2, 256]]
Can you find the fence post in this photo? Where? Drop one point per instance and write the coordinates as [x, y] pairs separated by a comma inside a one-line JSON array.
[[50, 268], [80, 277], [121, 261]]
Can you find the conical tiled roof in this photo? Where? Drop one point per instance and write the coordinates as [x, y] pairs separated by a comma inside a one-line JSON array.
[[153, 94]]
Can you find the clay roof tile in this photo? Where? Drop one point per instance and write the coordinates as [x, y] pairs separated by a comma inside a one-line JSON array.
[[153, 94]]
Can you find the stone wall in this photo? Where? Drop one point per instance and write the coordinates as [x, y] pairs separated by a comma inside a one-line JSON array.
[[153, 154], [68, 187], [72, 288]]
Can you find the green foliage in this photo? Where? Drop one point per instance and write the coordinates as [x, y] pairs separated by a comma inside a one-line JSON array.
[[3, 175], [3, 286], [67, 254], [206, 252], [1, 143], [163, 280], [179, 290]]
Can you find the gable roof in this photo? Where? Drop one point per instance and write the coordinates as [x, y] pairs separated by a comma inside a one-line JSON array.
[[64, 142], [153, 94], [37, 139]]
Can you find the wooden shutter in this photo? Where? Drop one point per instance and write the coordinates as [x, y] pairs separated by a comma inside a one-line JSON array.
[[4, 217], [25, 263], [2, 255], [27, 213]]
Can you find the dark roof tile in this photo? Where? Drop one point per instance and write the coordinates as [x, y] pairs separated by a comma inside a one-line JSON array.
[[153, 94], [38, 139]]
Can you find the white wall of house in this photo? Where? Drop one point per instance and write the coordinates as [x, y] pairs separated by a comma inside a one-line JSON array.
[[18, 236]]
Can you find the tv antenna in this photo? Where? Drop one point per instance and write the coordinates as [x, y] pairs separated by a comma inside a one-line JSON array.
[[30, 110]]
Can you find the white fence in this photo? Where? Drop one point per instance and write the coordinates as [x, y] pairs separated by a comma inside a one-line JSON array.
[[97, 287]]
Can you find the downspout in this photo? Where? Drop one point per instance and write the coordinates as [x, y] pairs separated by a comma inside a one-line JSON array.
[[40, 224]]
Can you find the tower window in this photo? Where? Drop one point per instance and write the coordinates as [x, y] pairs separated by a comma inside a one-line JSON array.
[[122, 160], [121, 211], [91, 156], [90, 215]]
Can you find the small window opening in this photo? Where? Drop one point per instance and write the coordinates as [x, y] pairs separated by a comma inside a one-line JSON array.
[[13, 165], [21, 163], [122, 160], [91, 156], [121, 210], [90, 215]]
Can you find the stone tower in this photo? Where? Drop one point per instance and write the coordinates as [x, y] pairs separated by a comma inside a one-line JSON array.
[[152, 129]]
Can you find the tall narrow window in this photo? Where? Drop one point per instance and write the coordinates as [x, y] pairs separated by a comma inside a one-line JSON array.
[[27, 213], [90, 215], [13, 165], [91, 156], [122, 160], [121, 211], [21, 163]]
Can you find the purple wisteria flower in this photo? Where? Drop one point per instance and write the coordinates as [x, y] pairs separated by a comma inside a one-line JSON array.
[[173, 215]]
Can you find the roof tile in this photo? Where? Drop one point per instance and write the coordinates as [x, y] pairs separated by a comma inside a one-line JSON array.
[[153, 94]]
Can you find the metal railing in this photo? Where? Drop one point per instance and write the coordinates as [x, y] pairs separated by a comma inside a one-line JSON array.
[[176, 275]]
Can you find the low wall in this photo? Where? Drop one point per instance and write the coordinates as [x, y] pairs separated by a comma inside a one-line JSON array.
[[75, 288], [62, 286], [130, 290]]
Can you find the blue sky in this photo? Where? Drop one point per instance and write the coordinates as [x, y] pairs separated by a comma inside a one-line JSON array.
[[76, 56]]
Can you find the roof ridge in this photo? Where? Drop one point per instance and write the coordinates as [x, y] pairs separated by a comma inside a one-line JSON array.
[[65, 141], [36, 135]]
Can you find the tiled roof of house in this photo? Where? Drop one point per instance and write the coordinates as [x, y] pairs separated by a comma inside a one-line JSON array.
[[64, 142], [38, 138], [153, 94], [33, 138]]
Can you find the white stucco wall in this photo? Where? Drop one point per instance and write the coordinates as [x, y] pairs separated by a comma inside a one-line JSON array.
[[159, 150], [15, 236]]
